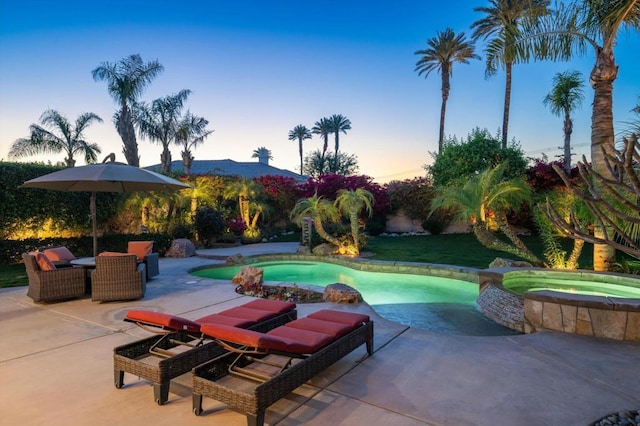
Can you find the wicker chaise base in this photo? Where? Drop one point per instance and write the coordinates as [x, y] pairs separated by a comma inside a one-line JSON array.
[[134, 358], [251, 398]]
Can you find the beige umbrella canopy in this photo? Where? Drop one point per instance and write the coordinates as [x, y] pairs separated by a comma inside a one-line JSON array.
[[109, 176]]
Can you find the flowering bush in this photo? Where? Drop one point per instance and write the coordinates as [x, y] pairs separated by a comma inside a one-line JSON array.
[[236, 225]]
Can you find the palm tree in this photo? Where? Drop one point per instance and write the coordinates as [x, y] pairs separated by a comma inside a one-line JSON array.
[[322, 128], [126, 80], [488, 196], [351, 203], [444, 49], [501, 25], [319, 209], [191, 132], [159, 122], [571, 29], [565, 97], [247, 191], [70, 139], [338, 123], [262, 154], [300, 133]]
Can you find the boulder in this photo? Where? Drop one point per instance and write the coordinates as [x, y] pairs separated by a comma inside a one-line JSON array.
[[341, 293], [324, 249], [249, 277], [500, 262], [181, 247]]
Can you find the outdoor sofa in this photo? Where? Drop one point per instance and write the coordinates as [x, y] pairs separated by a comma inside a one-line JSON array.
[[261, 368], [178, 345]]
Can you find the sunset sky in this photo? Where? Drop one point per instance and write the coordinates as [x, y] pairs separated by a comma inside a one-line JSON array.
[[259, 68]]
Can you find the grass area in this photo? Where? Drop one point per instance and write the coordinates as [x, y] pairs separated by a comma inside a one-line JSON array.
[[455, 249], [13, 275]]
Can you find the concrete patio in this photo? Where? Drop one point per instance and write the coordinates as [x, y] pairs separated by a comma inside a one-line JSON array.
[[56, 367]]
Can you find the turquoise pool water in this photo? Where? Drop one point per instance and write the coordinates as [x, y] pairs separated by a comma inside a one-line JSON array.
[[437, 304], [576, 283]]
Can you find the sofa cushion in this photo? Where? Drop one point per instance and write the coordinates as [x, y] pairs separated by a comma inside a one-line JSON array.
[[59, 254], [44, 263], [140, 248]]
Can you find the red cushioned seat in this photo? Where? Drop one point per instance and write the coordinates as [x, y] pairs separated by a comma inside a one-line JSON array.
[[276, 306], [333, 329], [292, 341], [226, 320], [255, 315], [349, 318], [164, 320]]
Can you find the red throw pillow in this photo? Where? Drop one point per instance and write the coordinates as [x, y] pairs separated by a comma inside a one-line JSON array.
[[59, 254], [140, 248], [44, 263]]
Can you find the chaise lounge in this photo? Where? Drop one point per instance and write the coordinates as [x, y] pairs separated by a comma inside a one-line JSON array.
[[178, 344], [261, 368]]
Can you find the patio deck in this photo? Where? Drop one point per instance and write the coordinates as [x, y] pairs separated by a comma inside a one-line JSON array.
[[56, 368]]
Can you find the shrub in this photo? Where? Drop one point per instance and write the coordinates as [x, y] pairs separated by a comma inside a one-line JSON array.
[[182, 231], [209, 225]]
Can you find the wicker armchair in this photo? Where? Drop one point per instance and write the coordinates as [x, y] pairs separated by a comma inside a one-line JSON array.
[[57, 284], [118, 278], [144, 251]]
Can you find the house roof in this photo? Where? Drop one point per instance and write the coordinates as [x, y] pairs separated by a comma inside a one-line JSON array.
[[229, 167]]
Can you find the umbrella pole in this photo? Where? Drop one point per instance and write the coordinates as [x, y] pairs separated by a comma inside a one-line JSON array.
[[92, 210]]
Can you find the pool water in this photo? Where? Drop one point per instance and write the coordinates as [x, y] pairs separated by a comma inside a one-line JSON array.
[[436, 304], [588, 284]]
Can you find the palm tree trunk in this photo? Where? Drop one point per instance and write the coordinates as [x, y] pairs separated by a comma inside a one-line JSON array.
[[335, 157], [508, 230], [568, 129], [127, 133], [443, 109], [355, 231], [300, 150], [602, 138], [187, 160], [489, 240], [165, 159], [572, 262], [317, 222], [507, 105]]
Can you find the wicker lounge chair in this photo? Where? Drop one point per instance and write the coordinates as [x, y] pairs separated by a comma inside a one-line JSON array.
[[53, 284], [144, 251], [118, 278], [179, 346], [259, 369]]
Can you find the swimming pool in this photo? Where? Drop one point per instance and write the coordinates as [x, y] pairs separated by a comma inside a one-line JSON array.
[[442, 305]]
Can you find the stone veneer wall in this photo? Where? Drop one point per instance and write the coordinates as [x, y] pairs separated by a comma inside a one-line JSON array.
[[502, 306], [610, 317]]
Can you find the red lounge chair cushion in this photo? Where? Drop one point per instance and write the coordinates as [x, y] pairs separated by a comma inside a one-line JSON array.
[[59, 254], [255, 315], [333, 329], [293, 341], [164, 320], [113, 253], [276, 306], [349, 318], [140, 248], [44, 263], [226, 320]]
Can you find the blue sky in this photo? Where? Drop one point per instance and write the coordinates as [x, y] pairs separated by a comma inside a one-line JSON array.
[[259, 68]]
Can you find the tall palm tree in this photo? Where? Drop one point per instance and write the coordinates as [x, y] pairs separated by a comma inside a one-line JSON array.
[[444, 49], [192, 131], [70, 139], [351, 204], [338, 123], [300, 133], [500, 26], [126, 80], [574, 28], [322, 127], [565, 97], [319, 209], [488, 196], [159, 122]]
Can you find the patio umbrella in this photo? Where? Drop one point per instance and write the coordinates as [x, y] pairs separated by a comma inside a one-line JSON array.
[[108, 176]]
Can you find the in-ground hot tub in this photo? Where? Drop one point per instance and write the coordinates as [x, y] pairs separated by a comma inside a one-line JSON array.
[[580, 302]]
